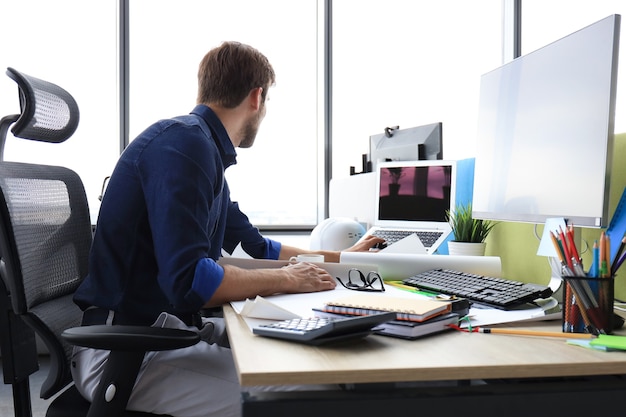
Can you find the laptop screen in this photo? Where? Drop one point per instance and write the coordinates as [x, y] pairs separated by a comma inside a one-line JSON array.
[[416, 193]]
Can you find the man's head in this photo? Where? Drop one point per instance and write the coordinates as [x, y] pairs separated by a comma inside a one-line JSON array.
[[230, 74]]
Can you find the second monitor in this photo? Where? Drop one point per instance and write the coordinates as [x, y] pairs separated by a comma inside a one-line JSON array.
[[412, 144]]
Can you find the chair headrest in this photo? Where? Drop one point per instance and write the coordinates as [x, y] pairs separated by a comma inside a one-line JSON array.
[[49, 113]]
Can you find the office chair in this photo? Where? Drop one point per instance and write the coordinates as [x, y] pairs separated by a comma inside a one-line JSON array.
[[45, 238]]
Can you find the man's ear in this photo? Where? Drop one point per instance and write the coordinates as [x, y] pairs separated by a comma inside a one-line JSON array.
[[256, 98]]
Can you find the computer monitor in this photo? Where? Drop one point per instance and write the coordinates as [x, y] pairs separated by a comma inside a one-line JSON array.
[[412, 144], [545, 131]]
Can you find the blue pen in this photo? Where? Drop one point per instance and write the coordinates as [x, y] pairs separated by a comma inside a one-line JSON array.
[[619, 263], [594, 271]]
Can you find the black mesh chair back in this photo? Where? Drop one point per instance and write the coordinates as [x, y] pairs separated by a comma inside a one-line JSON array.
[[45, 237], [48, 112], [36, 246]]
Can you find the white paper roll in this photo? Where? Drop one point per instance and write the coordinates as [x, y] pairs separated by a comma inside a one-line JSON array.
[[396, 266]]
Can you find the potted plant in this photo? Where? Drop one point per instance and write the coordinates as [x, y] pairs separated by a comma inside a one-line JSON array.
[[469, 233]]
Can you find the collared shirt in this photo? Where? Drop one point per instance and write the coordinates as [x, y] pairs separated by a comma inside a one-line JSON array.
[[164, 219]]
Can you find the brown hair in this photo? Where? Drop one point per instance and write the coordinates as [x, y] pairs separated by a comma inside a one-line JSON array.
[[229, 72]]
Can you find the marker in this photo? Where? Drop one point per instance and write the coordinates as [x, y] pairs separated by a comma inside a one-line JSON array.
[[400, 285], [618, 255]]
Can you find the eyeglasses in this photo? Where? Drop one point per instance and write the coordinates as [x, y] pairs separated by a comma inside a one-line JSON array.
[[372, 282]]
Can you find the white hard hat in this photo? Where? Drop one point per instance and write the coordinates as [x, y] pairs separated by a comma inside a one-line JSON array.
[[337, 233]]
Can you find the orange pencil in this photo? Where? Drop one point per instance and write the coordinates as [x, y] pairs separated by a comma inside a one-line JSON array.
[[523, 332]]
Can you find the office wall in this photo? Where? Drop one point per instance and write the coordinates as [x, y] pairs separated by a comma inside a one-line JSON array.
[[517, 243]]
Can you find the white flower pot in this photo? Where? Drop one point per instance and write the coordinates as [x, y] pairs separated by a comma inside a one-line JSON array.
[[466, 248]]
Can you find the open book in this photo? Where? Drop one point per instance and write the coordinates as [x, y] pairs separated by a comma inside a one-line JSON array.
[[409, 309]]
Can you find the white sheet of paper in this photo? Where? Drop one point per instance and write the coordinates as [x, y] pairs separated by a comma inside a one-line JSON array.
[[548, 309], [263, 309], [410, 244]]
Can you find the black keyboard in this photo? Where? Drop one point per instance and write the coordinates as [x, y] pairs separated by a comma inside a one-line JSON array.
[[428, 238], [319, 330], [493, 292]]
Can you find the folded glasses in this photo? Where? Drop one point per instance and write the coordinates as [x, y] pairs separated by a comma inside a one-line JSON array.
[[357, 281]]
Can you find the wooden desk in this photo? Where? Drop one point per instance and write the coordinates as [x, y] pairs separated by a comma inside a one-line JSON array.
[[450, 356]]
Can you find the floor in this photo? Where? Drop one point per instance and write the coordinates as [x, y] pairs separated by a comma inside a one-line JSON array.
[[39, 405]]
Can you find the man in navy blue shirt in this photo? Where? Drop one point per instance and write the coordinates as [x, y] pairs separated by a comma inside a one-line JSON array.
[[164, 220]]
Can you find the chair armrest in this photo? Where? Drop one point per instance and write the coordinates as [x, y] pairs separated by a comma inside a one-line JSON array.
[[130, 338]]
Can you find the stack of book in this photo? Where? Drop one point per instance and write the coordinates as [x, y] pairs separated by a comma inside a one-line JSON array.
[[415, 317]]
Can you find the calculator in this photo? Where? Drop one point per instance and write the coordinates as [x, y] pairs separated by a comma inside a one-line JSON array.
[[320, 330]]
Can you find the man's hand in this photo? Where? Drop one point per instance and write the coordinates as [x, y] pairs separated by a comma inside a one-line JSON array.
[[367, 243], [307, 277]]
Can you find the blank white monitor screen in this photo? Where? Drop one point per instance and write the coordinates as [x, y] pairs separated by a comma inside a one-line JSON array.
[[416, 143], [545, 131]]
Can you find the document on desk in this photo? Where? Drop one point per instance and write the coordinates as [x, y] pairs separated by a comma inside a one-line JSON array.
[[546, 309], [398, 266], [260, 308]]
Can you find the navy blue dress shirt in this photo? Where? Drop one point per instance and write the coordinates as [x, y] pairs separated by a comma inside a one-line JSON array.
[[164, 219]]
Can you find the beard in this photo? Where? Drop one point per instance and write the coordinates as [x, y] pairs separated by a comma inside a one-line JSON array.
[[250, 130]]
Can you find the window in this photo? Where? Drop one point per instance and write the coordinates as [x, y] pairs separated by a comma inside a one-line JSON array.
[[406, 63], [71, 43], [275, 182], [394, 62]]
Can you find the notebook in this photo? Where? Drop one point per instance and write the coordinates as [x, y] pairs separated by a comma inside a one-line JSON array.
[[406, 309], [414, 198]]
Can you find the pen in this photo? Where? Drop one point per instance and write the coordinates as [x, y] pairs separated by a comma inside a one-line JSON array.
[[619, 262], [522, 332], [618, 255], [566, 251], [398, 284]]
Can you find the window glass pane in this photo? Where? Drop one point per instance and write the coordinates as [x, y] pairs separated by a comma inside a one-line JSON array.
[[545, 22], [275, 181], [406, 63], [71, 43]]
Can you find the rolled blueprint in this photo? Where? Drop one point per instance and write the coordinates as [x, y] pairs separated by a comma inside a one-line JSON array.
[[398, 266]]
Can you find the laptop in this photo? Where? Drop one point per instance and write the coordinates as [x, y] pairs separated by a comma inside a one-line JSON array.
[[413, 197]]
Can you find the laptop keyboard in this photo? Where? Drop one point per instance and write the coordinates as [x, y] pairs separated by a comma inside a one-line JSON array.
[[494, 292], [428, 238]]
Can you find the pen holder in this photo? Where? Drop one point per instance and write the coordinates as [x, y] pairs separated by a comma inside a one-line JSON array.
[[588, 305]]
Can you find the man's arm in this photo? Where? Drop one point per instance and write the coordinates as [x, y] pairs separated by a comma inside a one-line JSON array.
[[239, 283], [364, 245]]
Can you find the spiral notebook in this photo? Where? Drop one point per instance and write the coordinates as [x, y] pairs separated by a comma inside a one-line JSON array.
[[408, 309]]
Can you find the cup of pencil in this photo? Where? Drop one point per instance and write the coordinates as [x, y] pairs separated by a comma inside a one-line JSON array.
[[588, 295], [588, 304]]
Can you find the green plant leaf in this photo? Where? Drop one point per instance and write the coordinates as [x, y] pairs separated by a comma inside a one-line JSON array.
[[465, 227]]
